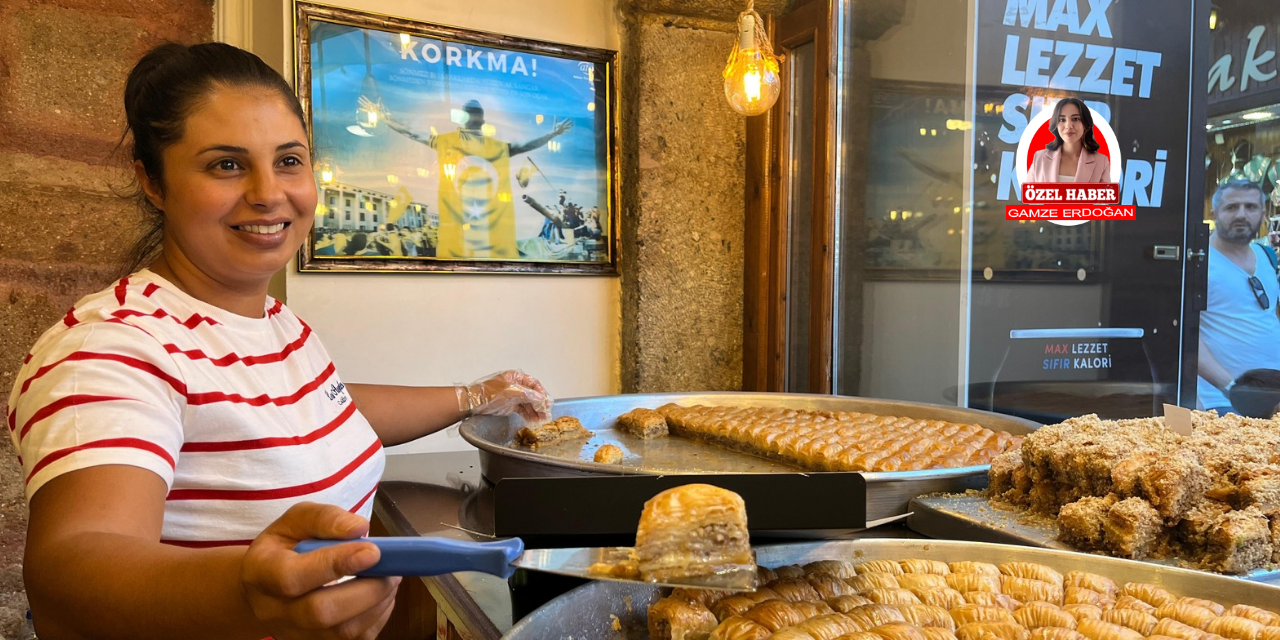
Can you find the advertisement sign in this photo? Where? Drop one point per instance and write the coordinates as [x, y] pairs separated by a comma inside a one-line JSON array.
[[1130, 63]]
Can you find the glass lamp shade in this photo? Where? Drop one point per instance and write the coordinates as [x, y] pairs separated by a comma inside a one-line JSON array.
[[751, 82]]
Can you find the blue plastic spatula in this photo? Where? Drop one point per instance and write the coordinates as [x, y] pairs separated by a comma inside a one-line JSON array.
[[436, 556]]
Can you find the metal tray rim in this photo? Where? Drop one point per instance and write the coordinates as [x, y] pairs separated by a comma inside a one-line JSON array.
[[467, 433]]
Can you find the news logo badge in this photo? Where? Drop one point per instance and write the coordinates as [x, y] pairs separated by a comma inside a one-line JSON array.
[[1068, 203]]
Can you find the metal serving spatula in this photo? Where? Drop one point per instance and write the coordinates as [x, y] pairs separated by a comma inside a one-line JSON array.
[[412, 556]]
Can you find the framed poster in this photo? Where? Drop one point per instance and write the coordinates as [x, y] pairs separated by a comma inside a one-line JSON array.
[[438, 149]]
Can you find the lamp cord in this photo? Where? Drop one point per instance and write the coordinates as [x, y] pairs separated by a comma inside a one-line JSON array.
[[763, 42]]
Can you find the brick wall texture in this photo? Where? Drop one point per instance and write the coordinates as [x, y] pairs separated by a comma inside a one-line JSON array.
[[62, 69]]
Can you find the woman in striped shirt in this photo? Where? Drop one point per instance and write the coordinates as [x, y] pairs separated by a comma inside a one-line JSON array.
[[180, 431]]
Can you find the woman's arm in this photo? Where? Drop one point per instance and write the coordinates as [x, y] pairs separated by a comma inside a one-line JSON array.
[[403, 414], [94, 568]]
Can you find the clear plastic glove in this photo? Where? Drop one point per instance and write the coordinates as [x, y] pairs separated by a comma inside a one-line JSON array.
[[505, 393]]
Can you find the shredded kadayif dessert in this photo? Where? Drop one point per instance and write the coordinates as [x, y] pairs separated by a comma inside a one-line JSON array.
[[930, 600], [839, 440], [1135, 489]]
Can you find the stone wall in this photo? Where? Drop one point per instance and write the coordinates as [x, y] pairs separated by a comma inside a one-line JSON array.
[[683, 195], [62, 70]]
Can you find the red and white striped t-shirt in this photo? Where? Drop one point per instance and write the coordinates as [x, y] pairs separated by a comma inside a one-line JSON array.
[[241, 417]]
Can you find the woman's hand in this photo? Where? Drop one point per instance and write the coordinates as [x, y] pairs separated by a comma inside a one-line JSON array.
[[504, 393], [286, 590]]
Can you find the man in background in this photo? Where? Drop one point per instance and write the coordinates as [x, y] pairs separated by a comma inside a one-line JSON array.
[[1239, 330]]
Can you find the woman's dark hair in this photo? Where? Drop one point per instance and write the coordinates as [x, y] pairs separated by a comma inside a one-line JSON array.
[[1086, 118], [163, 89]]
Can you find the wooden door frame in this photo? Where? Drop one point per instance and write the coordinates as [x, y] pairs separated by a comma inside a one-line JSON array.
[[767, 230]]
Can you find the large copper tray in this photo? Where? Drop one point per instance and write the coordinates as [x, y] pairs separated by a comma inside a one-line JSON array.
[[887, 492]]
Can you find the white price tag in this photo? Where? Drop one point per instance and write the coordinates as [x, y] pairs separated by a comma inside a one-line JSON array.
[[1177, 419]]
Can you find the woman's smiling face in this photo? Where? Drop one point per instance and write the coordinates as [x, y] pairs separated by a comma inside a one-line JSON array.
[[1070, 126], [238, 192]]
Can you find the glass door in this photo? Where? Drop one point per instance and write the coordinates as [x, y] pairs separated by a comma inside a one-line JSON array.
[[895, 234]]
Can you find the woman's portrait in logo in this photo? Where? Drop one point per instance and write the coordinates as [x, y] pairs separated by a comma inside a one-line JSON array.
[[1069, 142]]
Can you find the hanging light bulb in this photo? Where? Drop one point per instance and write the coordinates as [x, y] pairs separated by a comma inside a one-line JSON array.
[[751, 81]]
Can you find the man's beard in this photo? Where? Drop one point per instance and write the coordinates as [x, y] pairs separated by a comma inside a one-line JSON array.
[[1240, 234]]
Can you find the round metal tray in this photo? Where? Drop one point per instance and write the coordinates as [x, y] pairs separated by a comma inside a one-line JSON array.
[[589, 612], [887, 492]]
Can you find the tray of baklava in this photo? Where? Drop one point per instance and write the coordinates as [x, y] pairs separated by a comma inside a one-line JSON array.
[[1205, 497], [902, 448], [924, 590]]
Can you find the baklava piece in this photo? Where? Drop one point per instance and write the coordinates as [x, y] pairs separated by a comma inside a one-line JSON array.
[[1093, 582], [829, 626], [1133, 529], [1149, 593], [966, 582], [845, 604], [947, 598], [1033, 571], [870, 616], [678, 619], [829, 586], [1195, 526], [643, 423], [558, 430], [1031, 590], [608, 454], [1170, 628], [1126, 476], [736, 628], [930, 633], [1239, 543], [1186, 613], [1139, 621], [1000, 478], [969, 566], [693, 530], [1235, 627], [1174, 483], [1083, 611], [923, 615], [1082, 523], [1036, 617], [992, 631], [740, 603], [899, 631], [1056, 633], [838, 568], [1260, 487], [1267, 618], [1101, 630], [989, 599]]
